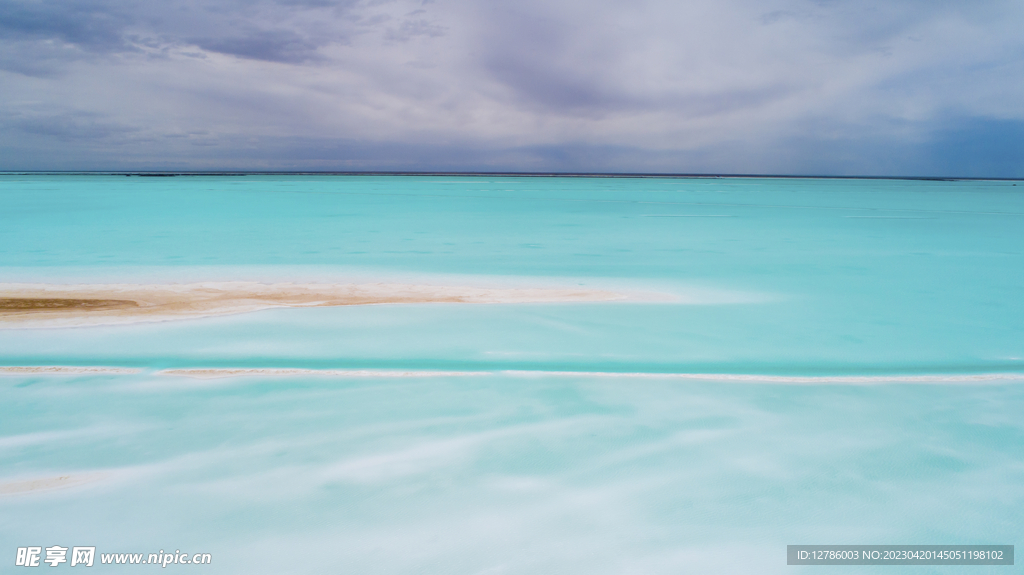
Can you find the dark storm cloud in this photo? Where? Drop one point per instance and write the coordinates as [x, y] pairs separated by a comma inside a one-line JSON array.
[[270, 45], [92, 26], [258, 30]]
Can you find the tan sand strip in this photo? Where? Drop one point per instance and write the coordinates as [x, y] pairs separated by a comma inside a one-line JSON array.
[[38, 304], [53, 305]]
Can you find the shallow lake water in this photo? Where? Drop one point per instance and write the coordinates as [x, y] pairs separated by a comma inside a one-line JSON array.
[[829, 361]]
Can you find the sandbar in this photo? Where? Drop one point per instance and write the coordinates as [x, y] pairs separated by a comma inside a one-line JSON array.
[[57, 305]]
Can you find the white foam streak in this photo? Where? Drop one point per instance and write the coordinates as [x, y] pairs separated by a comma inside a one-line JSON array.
[[215, 373], [66, 370], [805, 380], [211, 373]]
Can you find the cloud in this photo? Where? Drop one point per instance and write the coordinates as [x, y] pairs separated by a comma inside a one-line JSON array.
[[269, 45], [88, 24], [411, 28], [68, 126], [283, 31], [736, 86]]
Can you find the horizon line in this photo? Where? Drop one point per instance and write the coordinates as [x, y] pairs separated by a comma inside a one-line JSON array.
[[524, 174]]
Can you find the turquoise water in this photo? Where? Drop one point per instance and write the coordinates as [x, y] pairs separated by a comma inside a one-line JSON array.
[[802, 276], [525, 472]]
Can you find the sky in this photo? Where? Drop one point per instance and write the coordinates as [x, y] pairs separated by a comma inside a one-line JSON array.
[[812, 87]]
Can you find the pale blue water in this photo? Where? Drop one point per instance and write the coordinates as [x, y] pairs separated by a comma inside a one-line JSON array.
[[520, 472]]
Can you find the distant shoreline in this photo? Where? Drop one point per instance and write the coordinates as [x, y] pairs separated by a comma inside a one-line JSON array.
[[625, 175]]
